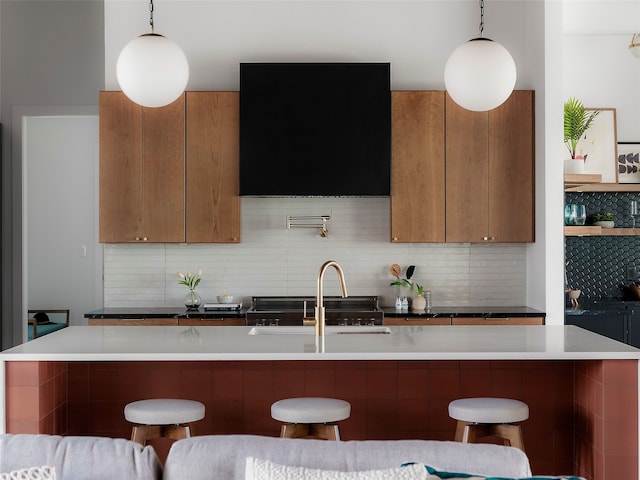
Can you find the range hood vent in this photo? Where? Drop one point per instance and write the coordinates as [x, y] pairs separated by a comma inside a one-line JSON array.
[[315, 129]]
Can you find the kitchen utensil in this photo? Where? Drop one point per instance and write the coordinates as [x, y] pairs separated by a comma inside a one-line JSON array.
[[410, 270], [395, 270]]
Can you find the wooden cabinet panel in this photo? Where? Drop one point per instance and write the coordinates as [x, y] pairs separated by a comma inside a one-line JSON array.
[[163, 172], [511, 169], [214, 322], [212, 167], [408, 321], [141, 171], [132, 322], [120, 168], [490, 168], [467, 174], [497, 321], [149, 191], [417, 193]]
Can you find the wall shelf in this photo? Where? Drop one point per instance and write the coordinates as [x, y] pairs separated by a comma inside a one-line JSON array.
[[593, 183], [593, 230]]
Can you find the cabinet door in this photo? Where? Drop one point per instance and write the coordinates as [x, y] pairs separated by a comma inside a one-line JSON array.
[[213, 181], [163, 173], [141, 171], [511, 169], [467, 174], [409, 321], [214, 322], [490, 172], [612, 325], [120, 169], [497, 321], [417, 193]]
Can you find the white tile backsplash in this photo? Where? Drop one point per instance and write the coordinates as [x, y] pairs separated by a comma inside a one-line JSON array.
[[272, 260]]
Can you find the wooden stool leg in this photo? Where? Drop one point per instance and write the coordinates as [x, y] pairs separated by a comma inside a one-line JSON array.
[[474, 431], [143, 433], [177, 432], [460, 427], [511, 434], [324, 431], [294, 430]]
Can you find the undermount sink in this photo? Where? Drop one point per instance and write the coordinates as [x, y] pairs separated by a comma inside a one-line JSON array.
[[328, 330]]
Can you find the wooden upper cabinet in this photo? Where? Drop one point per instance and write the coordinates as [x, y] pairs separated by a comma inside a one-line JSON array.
[[163, 172], [212, 167], [490, 172], [467, 174], [512, 169], [120, 168], [141, 171], [417, 166]]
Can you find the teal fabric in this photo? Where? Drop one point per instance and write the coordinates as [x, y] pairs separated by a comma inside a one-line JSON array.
[[45, 329], [457, 475]]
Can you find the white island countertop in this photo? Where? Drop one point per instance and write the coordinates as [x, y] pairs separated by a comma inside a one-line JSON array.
[[127, 343]]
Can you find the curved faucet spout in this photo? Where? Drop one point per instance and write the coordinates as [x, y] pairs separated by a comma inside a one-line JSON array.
[[320, 317]]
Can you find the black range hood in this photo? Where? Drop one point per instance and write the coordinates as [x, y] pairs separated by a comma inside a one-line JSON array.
[[315, 129]]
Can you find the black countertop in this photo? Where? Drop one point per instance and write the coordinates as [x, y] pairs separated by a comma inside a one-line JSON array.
[[482, 311], [596, 306], [178, 312], [162, 312]]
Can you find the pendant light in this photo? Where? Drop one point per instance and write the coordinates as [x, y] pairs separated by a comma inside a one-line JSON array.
[[480, 74], [634, 46], [152, 70]]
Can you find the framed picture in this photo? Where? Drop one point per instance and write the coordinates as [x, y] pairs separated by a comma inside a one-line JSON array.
[[628, 162], [599, 145]]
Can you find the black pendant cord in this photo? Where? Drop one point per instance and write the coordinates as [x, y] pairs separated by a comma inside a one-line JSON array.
[[151, 14], [481, 17]]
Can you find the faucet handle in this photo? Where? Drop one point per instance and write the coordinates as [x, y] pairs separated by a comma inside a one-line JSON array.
[[309, 321]]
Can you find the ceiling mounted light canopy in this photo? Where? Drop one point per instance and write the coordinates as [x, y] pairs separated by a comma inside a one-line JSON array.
[[152, 70], [634, 46], [480, 74]]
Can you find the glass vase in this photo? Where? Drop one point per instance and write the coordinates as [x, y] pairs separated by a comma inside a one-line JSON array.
[[192, 300]]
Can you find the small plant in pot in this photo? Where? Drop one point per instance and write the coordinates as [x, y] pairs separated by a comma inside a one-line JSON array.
[[603, 219], [576, 121], [418, 302]]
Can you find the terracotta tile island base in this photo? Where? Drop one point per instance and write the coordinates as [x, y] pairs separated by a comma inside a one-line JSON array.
[[582, 389]]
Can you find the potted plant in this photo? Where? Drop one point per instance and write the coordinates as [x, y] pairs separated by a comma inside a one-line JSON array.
[[418, 302], [576, 121], [603, 219]]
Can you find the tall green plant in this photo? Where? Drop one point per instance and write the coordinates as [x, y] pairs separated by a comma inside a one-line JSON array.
[[576, 122]]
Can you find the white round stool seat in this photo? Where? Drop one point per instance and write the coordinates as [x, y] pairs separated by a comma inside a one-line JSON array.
[[164, 411], [488, 410], [310, 410]]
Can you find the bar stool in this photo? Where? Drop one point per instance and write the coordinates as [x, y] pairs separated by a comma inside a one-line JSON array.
[[162, 417], [310, 417], [483, 417]]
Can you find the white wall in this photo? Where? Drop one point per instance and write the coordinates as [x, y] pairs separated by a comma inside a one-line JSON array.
[[598, 68], [62, 259], [416, 37]]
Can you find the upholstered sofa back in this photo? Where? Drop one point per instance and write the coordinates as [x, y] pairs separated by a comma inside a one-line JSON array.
[[80, 458], [222, 457]]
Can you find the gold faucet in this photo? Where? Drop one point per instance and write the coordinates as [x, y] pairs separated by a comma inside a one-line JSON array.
[[320, 318]]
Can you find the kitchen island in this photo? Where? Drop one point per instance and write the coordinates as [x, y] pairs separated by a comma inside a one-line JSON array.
[[582, 388]]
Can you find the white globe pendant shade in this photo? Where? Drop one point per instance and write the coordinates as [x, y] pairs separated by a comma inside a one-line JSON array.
[[480, 75], [152, 70]]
